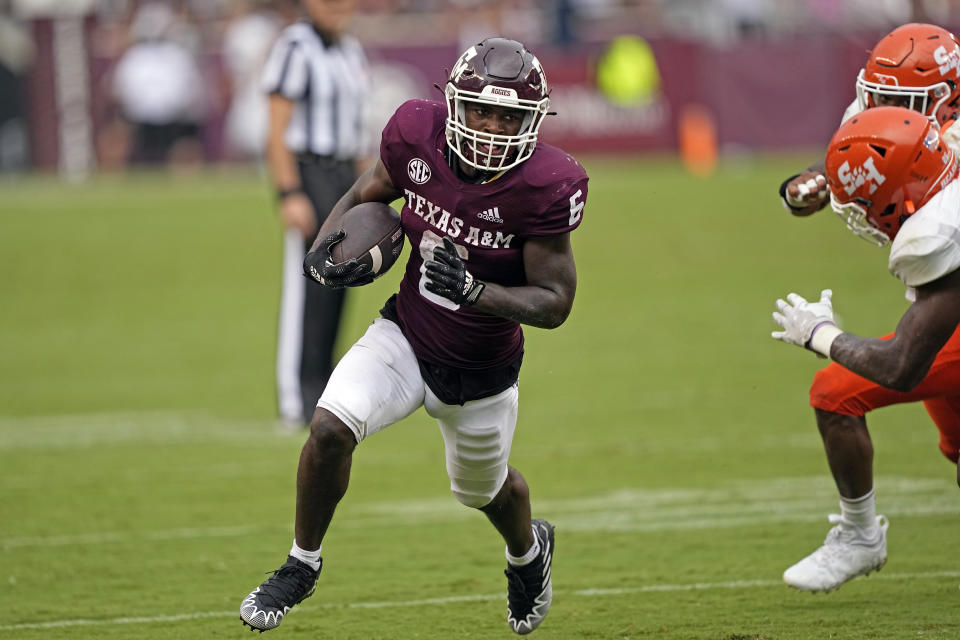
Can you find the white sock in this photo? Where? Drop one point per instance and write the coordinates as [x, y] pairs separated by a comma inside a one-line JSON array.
[[528, 557], [861, 511], [311, 558]]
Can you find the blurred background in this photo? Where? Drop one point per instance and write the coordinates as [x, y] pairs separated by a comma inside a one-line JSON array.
[[701, 76]]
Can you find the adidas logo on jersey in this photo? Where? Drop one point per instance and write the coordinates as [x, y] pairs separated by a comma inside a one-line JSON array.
[[450, 225], [491, 215], [852, 179]]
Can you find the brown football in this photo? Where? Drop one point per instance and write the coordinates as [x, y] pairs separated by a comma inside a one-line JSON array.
[[373, 236]]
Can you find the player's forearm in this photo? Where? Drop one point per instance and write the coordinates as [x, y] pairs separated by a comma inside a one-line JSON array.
[[903, 361], [373, 185], [349, 199], [887, 362], [529, 305]]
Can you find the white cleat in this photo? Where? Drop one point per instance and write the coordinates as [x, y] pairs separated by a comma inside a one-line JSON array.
[[844, 555]]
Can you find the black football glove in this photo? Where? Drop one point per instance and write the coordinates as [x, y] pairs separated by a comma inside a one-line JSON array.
[[447, 276], [318, 266]]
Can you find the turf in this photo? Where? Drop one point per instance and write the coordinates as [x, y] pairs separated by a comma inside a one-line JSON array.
[[145, 488]]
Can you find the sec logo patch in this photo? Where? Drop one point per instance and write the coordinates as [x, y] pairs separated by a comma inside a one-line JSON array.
[[418, 170]]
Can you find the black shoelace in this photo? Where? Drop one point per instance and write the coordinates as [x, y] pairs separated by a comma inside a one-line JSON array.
[[287, 586], [524, 581], [516, 583]]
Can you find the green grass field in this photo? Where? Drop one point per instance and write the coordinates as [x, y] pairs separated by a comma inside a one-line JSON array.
[[145, 488]]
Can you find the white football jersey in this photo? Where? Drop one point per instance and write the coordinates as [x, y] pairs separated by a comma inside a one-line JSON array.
[[851, 111], [927, 246]]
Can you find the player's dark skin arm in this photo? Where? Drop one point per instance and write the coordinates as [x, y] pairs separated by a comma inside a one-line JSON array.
[[373, 185], [545, 301], [902, 362], [547, 297]]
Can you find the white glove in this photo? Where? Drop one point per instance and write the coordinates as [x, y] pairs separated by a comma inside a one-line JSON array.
[[811, 191], [801, 319]]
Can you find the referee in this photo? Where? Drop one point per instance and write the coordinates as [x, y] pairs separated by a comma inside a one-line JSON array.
[[316, 80]]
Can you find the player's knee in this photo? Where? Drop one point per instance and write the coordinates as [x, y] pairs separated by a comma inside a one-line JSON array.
[[507, 493], [514, 487], [330, 436], [478, 493], [474, 499]]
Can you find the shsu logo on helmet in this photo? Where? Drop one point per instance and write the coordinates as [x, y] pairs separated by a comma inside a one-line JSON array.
[[853, 179], [947, 60]]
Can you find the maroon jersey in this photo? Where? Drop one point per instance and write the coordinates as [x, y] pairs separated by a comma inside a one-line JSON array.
[[489, 223]]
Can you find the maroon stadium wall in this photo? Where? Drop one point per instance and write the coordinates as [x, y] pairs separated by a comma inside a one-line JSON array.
[[762, 95]]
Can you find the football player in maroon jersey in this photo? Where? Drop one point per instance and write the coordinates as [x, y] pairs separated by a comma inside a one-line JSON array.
[[488, 210]]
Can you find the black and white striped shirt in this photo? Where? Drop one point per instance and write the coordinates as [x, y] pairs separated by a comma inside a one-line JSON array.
[[327, 83]]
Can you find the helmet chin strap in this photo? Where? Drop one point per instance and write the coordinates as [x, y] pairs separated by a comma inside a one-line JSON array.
[[461, 169]]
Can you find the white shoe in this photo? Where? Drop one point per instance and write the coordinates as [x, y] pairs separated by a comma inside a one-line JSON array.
[[845, 554]]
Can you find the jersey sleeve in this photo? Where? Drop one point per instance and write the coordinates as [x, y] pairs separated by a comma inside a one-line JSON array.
[[923, 259], [566, 212], [555, 186], [927, 247], [285, 71], [406, 132]]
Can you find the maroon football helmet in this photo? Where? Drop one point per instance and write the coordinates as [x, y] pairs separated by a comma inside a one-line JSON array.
[[496, 72]]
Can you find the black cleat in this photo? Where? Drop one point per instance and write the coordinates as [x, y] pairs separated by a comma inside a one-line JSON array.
[[529, 591], [289, 585]]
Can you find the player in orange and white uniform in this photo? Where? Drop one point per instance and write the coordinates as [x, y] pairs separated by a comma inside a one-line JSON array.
[[893, 180], [916, 66]]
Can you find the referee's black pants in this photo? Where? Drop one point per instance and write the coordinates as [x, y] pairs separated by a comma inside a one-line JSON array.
[[309, 313]]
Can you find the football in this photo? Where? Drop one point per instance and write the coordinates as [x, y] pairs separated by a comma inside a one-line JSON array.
[[373, 236]]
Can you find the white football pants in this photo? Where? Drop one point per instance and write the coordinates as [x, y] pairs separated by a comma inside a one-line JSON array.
[[378, 383]]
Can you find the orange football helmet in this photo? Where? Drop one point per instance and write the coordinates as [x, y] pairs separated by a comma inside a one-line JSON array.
[[882, 165], [915, 66]]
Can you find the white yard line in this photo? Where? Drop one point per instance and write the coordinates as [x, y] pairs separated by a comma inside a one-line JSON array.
[[733, 504], [637, 511], [114, 537], [428, 602], [88, 430]]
